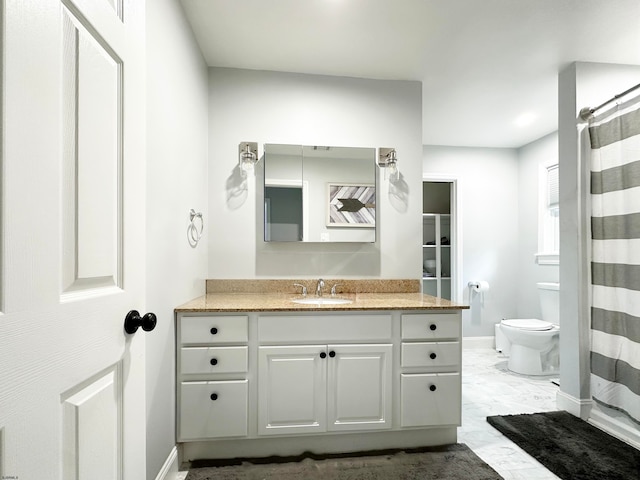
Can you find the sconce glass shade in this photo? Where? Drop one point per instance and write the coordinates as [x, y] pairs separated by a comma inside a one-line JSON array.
[[392, 166], [248, 155], [387, 158], [391, 161]]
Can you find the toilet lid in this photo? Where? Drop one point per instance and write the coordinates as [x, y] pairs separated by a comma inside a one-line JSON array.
[[528, 324]]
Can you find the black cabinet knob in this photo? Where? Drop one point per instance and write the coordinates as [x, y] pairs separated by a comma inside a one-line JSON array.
[[213, 331], [323, 354], [432, 356], [432, 326], [332, 354], [214, 396], [213, 361], [432, 388], [133, 321]]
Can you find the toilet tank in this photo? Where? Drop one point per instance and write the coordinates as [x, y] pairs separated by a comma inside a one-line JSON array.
[[549, 294]]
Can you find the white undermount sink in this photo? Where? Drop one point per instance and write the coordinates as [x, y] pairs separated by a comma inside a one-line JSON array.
[[322, 301]]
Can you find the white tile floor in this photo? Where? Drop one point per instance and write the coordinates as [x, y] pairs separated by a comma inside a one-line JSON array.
[[488, 388]]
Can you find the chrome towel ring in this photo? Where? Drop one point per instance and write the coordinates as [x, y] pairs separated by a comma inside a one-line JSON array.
[[195, 228]]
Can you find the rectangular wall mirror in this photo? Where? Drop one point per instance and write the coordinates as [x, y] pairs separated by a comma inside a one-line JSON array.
[[319, 194]]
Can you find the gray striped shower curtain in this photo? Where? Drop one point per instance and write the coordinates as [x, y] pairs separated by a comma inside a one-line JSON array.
[[615, 265]]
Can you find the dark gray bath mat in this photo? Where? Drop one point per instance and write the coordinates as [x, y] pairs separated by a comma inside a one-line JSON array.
[[429, 463], [569, 447]]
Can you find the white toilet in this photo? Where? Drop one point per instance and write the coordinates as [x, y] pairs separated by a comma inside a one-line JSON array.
[[533, 344]]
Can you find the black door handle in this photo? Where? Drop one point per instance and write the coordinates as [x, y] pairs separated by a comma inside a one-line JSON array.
[[133, 321]]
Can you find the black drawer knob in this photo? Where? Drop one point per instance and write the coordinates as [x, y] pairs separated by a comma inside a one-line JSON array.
[[214, 331], [432, 356], [432, 388], [332, 354], [214, 396], [323, 354], [213, 361], [432, 326]]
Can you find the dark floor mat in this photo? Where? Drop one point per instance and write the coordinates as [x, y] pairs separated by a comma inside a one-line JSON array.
[[430, 463], [570, 447]]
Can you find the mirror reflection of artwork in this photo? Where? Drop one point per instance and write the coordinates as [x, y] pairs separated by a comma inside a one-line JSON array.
[[351, 205]]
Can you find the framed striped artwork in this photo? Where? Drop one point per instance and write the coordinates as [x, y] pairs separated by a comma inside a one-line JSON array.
[[351, 205]]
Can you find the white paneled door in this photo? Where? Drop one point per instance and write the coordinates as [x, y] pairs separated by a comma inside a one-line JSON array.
[[72, 384]]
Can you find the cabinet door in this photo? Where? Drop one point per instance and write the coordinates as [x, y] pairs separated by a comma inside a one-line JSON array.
[[213, 329], [431, 354], [212, 360], [431, 326], [430, 399], [359, 387], [212, 409], [292, 389]]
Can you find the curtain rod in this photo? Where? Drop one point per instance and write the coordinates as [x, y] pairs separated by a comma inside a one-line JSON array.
[[587, 112]]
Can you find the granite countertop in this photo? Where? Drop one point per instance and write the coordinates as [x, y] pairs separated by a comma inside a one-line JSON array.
[[282, 302]]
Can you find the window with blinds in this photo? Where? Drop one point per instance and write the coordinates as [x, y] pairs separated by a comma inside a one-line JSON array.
[[551, 218]]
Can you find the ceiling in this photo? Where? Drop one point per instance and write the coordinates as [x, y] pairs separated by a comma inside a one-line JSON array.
[[488, 67]]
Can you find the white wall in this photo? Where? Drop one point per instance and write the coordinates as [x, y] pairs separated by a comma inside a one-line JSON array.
[[532, 162], [176, 181], [488, 210], [579, 85], [271, 107]]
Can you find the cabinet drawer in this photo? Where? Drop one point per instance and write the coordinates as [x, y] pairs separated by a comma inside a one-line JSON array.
[[213, 360], [214, 329], [213, 409], [431, 354], [429, 326], [324, 328], [430, 399]]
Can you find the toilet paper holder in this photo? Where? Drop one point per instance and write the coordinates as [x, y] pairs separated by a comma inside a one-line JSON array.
[[479, 286]]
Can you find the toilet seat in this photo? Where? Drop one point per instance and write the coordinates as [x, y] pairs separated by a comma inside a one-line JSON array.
[[529, 324]]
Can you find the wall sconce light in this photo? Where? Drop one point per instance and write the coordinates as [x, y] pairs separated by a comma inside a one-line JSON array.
[[387, 158], [248, 155]]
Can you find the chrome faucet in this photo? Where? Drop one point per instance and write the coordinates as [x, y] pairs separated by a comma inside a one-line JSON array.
[[319, 287], [304, 289]]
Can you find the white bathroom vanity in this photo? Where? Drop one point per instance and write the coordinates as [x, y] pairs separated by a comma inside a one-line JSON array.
[[260, 375]]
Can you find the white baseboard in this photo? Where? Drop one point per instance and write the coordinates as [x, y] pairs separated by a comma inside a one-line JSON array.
[[626, 432], [575, 406], [169, 470], [471, 343]]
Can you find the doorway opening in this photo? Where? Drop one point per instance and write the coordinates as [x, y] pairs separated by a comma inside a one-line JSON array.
[[440, 239]]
